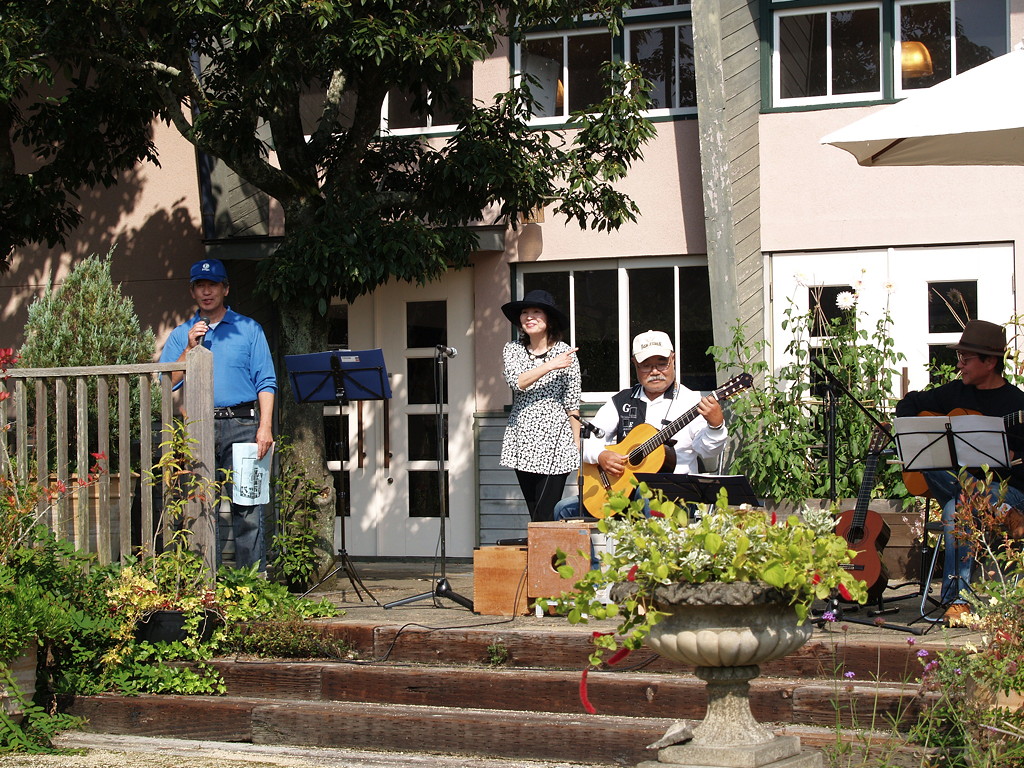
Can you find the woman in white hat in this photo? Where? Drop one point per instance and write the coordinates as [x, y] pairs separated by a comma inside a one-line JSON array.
[[541, 441]]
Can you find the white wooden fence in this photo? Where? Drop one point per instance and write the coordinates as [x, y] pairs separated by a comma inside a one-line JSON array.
[[88, 516]]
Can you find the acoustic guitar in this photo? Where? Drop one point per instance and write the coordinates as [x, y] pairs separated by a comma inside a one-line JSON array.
[[915, 482], [641, 449], [864, 529]]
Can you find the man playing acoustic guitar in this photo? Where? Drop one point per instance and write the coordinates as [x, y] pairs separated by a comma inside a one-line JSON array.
[[657, 400], [982, 389]]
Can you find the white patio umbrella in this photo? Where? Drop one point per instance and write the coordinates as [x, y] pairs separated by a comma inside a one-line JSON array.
[[976, 118]]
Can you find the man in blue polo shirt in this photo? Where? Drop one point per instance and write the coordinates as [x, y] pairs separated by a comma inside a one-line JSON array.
[[244, 384]]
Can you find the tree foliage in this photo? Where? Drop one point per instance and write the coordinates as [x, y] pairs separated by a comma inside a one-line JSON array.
[[289, 95]]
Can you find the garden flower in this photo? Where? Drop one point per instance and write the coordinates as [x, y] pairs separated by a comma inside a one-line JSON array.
[[846, 300]]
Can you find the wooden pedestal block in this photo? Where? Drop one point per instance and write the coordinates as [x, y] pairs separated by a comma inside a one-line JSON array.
[[544, 540], [499, 581]]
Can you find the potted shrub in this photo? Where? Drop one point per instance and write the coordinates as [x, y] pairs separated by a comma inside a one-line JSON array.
[[727, 592]]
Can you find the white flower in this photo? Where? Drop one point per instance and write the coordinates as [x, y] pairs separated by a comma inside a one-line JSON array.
[[889, 287], [846, 300]]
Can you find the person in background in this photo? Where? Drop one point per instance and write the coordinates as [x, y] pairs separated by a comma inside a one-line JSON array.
[[981, 388], [244, 387], [541, 441], [657, 399]]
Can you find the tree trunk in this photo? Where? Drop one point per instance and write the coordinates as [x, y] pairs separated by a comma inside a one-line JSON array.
[[304, 330]]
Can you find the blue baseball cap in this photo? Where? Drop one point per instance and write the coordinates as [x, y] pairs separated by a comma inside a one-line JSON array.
[[209, 269]]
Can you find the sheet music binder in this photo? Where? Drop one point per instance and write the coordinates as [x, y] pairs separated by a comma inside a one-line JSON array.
[[701, 489], [951, 442]]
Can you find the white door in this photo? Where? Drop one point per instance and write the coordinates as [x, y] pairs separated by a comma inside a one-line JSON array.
[[927, 291], [395, 493]]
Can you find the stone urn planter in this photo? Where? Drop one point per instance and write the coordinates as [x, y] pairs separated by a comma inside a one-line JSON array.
[[726, 630]]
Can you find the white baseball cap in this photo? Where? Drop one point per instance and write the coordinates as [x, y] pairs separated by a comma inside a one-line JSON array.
[[651, 343]]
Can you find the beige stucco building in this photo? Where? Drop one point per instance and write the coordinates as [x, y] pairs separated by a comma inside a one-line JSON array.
[[743, 210]]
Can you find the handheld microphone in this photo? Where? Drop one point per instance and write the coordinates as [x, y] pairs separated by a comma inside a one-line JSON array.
[[447, 351], [594, 430], [202, 337]]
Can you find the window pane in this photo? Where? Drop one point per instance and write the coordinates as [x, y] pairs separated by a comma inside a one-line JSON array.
[[822, 302], [424, 495], [336, 438], [638, 4], [337, 328], [341, 490], [406, 110], [951, 305], [542, 58], [939, 355], [687, 77], [927, 23], [426, 324], [696, 366], [651, 301], [422, 385], [802, 55], [653, 50], [980, 32], [445, 103], [423, 437], [586, 55], [856, 67], [597, 335]]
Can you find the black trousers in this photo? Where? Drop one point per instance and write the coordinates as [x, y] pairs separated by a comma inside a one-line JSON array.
[[541, 492]]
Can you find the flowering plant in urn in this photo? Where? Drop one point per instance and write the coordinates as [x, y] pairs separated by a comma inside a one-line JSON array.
[[799, 556]]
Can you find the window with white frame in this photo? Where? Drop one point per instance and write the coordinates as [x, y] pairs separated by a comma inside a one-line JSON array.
[[408, 111], [563, 67], [611, 301], [831, 53]]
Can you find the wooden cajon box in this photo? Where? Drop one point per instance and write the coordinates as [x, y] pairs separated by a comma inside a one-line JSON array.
[[544, 540], [499, 581]]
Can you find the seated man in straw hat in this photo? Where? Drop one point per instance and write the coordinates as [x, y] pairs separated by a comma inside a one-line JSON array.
[[981, 388]]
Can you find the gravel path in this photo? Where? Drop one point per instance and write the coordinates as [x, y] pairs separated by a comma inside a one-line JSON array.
[[106, 751]]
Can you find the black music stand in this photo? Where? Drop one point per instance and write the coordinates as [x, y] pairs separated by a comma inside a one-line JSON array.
[[337, 377], [701, 489], [948, 443]]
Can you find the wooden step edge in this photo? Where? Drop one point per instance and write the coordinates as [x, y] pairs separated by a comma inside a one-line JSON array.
[[495, 733], [504, 733], [824, 656]]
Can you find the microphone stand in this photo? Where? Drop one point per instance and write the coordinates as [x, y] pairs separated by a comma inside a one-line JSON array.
[[587, 430], [442, 588]]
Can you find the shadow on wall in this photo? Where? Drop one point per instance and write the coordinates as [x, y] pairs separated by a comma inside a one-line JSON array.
[[150, 261]]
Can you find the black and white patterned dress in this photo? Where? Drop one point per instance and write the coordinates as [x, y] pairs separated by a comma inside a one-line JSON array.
[[539, 438]]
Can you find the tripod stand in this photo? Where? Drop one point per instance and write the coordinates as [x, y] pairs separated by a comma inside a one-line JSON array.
[[344, 563], [864, 530], [442, 588], [338, 377]]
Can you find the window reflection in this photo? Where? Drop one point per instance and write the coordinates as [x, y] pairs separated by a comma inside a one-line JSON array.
[[422, 374], [424, 496], [951, 304], [426, 324]]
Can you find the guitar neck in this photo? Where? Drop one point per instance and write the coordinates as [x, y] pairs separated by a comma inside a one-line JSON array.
[[867, 483]]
